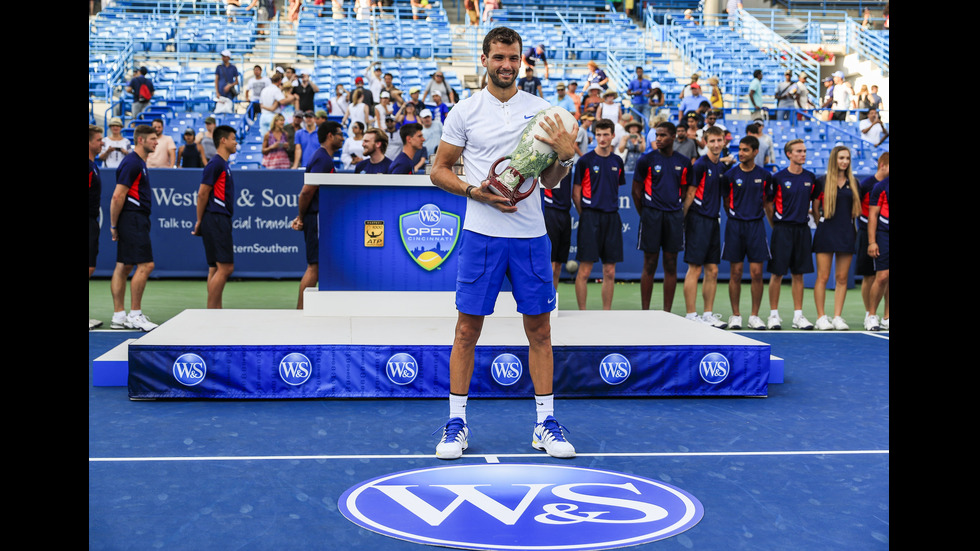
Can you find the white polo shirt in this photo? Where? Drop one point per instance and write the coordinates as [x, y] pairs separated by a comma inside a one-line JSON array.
[[487, 130]]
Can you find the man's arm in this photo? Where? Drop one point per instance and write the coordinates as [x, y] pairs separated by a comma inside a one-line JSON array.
[[443, 177], [203, 193], [873, 251], [115, 207]]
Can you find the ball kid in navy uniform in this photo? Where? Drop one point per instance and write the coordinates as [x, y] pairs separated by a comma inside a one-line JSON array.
[[215, 206]]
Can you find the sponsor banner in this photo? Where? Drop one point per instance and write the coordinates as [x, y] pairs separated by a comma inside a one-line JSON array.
[[528, 507], [352, 371]]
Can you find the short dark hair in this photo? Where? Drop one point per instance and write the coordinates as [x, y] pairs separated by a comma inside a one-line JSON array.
[[669, 127], [409, 129], [142, 131], [326, 129], [504, 35], [753, 128], [605, 124], [221, 131], [92, 131], [750, 141], [713, 131]]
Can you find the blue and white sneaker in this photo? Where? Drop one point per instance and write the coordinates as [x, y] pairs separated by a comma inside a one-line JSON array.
[[550, 437], [454, 439]]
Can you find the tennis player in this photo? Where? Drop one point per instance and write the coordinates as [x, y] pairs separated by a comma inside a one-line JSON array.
[[500, 239]]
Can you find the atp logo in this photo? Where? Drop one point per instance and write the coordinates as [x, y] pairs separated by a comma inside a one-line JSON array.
[[295, 369], [402, 368], [506, 369], [714, 368], [614, 369], [503, 506], [429, 235], [189, 369]]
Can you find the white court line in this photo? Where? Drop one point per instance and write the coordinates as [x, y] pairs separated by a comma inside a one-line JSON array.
[[491, 458]]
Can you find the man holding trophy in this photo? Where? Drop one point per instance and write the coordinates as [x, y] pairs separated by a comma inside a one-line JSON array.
[[504, 232]]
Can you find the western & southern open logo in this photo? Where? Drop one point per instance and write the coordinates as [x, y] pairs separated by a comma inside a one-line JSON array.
[[714, 368], [502, 506], [189, 369], [429, 235], [506, 369], [614, 369], [402, 368], [295, 369]]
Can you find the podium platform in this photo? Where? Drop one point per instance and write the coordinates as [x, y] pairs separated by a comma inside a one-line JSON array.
[[302, 354]]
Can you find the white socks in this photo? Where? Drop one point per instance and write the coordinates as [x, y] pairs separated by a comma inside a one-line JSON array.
[[545, 406], [457, 406]]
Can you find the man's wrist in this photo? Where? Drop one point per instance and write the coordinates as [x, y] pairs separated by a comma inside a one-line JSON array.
[[469, 190]]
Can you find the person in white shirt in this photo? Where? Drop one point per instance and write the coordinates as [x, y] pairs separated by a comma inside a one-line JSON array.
[[253, 89], [431, 130], [115, 146], [352, 151], [872, 129], [482, 129], [843, 97], [272, 100]]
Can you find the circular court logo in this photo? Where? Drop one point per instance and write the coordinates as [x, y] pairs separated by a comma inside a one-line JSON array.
[[537, 507], [295, 369], [402, 368], [714, 368], [614, 369], [506, 369], [189, 369]]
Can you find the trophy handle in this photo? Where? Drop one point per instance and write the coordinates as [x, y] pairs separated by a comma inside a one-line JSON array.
[[521, 195], [493, 167]]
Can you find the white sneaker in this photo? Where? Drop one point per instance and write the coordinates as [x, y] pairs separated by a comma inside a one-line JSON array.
[[775, 322], [824, 324], [455, 439], [800, 322], [714, 320], [735, 322], [871, 323], [120, 322], [141, 322], [755, 322], [550, 437], [884, 324], [840, 324], [93, 323]]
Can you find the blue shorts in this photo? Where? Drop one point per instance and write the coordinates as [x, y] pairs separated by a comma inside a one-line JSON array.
[[881, 263], [483, 263], [745, 238]]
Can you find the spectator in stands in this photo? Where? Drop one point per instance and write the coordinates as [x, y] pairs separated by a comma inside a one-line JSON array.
[[785, 96], [439, 108], [292, 104], [764, 155], [837, 204], [412, 137], [357, 112], [533, 55], [352, 152], [690, 102], [418, 6], [659, 178], [431, 130], [802, 95], [272, 101], [742, 192], [488, 7], [530, 83], [394, 139], [305, 92], [437, 83], [576, 99], [226, 77], [875, 98], [562, 99], [686, 91], [872, 129], [788, 199], [384, 108], [330, 137], [264, 10], [374, 145], [595, 193], [689, 17], [655, 97], [215, 205], [95, 146], [205, 138], [307, 139], [843, 97], [366, 96], [866, 22], [293, 151], [407, 114], [393, 91], [190, 154], [585, 138], [716, 97], [374, 81], [340, 102], [755, 95], [632, 145], [683, 144], [413, 95], [638, 90], [609, 109], [733, 7], [289, 76], [129, 222], [321, 117], [115, 146], [596, 75], [253, 88], [863, 101], [164, 155], [275, 143], [142, 90], [472, 8]]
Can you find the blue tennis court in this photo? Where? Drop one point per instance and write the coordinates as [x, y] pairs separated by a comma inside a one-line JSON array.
[[806, 468]]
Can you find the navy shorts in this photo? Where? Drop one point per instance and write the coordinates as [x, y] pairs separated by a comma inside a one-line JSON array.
[[133, 246], [864, 265], [790, 249], [600, 236], [702, 240], [559, 225], [485, 261], [311, 234], [93, 241], [661, 229], [881, 263], [216, 232], [745, 238]]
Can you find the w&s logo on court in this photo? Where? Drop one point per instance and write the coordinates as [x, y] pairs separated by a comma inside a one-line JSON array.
[[501, 506], [429, 235], [189, 369]]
